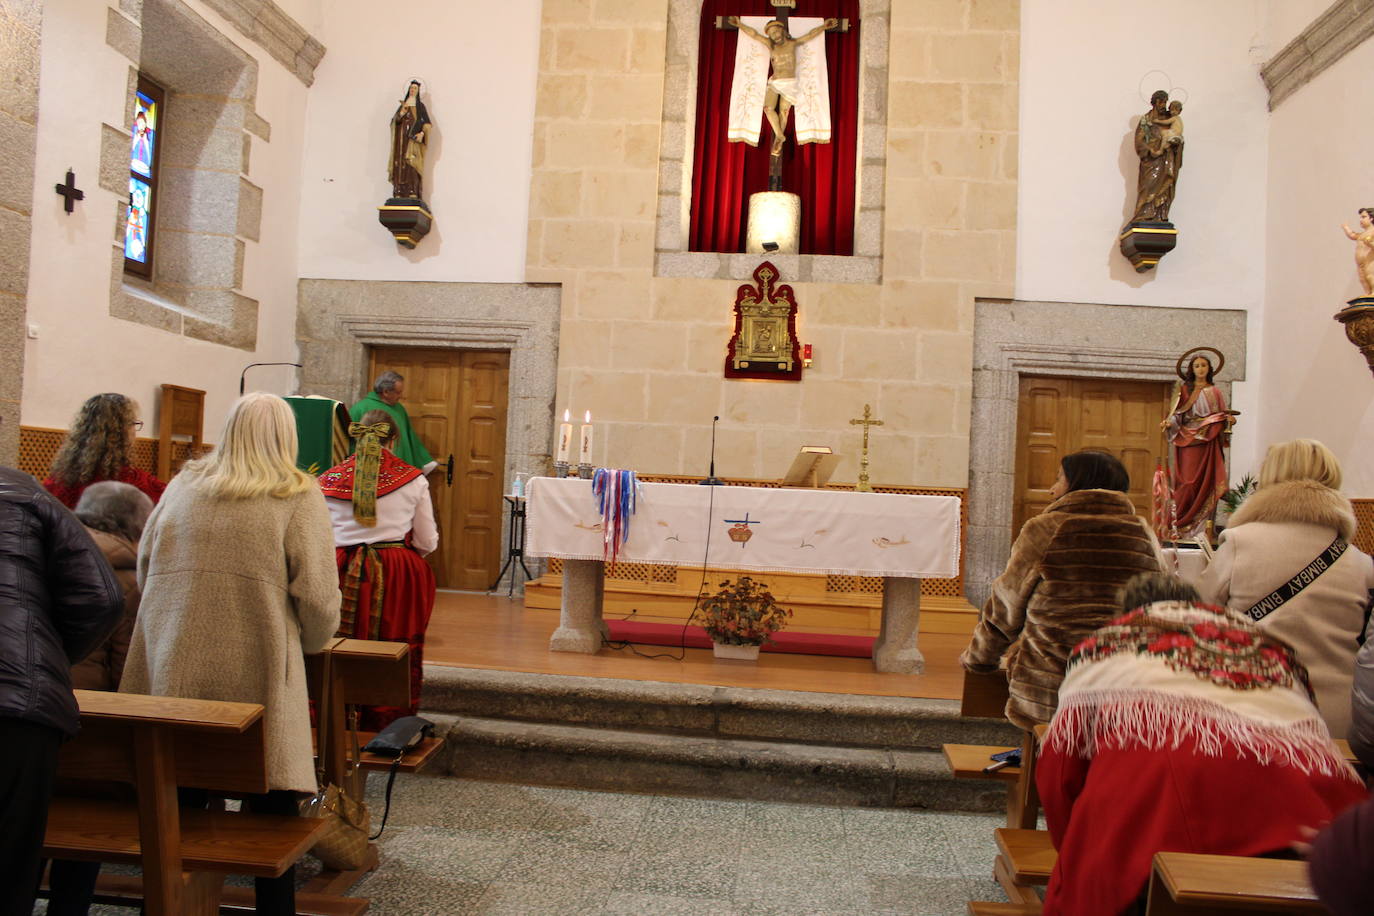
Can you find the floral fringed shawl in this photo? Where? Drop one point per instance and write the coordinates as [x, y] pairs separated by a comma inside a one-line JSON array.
[[1175, 673]]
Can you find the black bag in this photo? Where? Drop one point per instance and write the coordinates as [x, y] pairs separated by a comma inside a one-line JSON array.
[[400, 736], [393, 741]]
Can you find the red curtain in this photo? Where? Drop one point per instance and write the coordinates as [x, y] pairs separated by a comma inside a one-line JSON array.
[[724, 174]]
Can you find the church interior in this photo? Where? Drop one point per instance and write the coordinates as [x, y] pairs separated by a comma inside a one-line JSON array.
[[976, 248]]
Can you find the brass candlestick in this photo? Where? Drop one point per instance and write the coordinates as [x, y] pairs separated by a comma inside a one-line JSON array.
[[866, 421]]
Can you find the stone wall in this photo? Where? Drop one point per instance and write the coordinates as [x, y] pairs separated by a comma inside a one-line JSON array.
[[20, 28], [337, 320], [205, 210], [645, 352]]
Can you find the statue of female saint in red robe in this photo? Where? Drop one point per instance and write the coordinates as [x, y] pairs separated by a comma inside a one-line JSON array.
[[1199, 428]]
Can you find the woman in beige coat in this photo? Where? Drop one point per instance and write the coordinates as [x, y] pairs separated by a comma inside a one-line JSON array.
[[1295, 521], [238, 576]]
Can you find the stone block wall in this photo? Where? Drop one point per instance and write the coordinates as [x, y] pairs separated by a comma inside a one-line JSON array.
[[205, 208], [645, 352], [20, 29]]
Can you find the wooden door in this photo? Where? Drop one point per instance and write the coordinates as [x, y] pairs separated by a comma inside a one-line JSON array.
[[1057, 416], [457, 403]]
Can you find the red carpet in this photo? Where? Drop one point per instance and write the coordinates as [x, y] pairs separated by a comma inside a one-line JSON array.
[[670, 634]]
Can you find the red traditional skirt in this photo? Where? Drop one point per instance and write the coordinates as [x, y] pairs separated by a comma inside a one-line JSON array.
[[1109, 816], [388, 594]]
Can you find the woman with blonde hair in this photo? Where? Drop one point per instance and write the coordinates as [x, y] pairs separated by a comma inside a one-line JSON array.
[[238, 577], [97, 448], [1285, 561]]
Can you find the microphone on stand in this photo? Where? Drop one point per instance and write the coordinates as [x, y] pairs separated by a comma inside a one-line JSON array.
[[713, 480], [244, 373]]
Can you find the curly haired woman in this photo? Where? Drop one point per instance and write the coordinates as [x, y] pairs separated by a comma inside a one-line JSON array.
[[97, 448]]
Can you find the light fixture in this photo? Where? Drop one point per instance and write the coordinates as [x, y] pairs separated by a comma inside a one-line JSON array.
[[774, 220]]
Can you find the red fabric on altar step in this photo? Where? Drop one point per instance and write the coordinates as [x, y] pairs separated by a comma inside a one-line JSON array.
[[724, 174], [407, 602], [670, 634]]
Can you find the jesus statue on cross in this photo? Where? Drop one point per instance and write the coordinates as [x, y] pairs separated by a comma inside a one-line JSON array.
[[782, 92]]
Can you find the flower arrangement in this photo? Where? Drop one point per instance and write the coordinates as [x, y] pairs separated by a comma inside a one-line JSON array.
[[743, 613]]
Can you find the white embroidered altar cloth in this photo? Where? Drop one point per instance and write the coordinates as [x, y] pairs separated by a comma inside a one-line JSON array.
[[788, 530]]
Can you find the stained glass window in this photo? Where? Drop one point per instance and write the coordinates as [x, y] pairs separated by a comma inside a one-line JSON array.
[[143, 165]]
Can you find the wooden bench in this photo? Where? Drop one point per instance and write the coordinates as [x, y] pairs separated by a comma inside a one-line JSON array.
[[1025, 860], [362, 672], [967, 761], [157, 744], [984, 908], [1184, 884]]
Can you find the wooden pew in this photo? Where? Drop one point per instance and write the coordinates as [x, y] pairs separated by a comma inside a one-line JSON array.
[[362, 672], [1184, 884], [158, 744], [983, 908], [985, 697]]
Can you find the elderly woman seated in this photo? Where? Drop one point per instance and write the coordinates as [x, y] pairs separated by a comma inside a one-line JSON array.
[[1181, 727], [114, 514]]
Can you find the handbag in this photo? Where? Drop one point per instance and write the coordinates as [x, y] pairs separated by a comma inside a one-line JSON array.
[[343, 845], [393, 741]]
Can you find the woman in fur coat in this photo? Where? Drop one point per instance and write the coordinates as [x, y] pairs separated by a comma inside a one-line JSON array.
[[1062, 582], [1297, 528]]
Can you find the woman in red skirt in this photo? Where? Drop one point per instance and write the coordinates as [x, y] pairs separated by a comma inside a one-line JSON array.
[[383, 528]]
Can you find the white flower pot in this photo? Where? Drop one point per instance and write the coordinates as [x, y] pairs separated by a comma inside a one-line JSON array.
[[725, 650]]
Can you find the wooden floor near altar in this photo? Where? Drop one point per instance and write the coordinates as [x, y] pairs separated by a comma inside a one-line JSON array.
[[473, 630]]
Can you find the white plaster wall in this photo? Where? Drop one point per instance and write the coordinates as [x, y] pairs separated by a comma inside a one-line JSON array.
[[1082, 66], [1287, 18], [1087, 70], [478, 64], [1315, 383], [80, 350], [309, 14]]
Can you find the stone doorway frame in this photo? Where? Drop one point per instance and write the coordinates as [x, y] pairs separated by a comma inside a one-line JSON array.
[[1012, 338], [337, 320]]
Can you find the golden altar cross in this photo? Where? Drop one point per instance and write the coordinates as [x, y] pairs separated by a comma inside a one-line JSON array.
[[866, 421]]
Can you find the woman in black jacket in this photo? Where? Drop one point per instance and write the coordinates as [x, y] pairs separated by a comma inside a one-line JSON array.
[[58, 602]]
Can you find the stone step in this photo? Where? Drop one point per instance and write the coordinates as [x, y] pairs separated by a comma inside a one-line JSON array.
[[696, 710], [609, 759]]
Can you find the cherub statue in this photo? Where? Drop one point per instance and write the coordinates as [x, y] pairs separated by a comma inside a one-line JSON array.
[[1172, 126], [782, 83], [1364, 248]]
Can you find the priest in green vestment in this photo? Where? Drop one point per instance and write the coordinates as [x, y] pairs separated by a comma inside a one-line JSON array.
[[386, 395]]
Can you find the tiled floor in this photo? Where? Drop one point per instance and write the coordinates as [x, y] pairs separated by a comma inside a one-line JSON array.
[[457, 846]]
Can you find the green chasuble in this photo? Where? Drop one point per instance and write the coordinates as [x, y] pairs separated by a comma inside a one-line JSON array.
[[322, 433], [408, 446]]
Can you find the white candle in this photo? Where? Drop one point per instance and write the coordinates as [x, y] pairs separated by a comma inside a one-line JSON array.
[[584, 455], [564, 440]]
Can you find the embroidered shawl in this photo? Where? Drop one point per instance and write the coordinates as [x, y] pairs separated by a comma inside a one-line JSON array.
[[1174, 672], [392, 473]]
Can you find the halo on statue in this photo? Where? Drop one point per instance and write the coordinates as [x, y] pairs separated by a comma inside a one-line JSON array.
[[1186, 357], [1156, 79]]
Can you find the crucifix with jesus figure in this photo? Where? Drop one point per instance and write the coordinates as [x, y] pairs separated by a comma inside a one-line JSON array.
[[775, 74]]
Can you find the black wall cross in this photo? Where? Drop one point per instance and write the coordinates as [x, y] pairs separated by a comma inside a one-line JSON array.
[[70, 192]]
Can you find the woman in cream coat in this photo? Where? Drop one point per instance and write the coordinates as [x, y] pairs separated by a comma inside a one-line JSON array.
[[238, 577], [1290, 521]]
